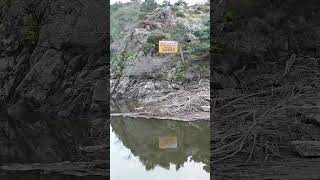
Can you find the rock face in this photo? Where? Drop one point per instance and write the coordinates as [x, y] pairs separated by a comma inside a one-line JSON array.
[[54, 53], [137, 68], [264, 32]]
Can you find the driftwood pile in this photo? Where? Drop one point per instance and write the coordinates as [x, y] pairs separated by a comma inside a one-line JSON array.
[[275, 117]]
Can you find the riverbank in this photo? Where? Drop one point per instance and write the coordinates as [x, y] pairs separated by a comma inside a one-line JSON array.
[[189, 103]]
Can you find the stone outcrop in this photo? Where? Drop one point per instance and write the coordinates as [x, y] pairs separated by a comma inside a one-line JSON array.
[[137, 68], [55, 53]]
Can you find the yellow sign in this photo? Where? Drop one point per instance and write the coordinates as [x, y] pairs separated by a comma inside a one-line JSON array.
[[168, 47], [167, 142]]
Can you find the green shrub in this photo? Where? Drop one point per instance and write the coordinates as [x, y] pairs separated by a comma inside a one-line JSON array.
[[122, 16], [200, 48], [180, 14], [149, 5], [203, 35], [30, 38], [197, 12], [147, 48], [177, 33], [181, 70], [174, 9], [131, 55], [203, 8], [154, 38], [229, 16]]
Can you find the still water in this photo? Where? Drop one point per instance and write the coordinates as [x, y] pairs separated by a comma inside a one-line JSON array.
[[37, 176], [39, 138], [144, 149]]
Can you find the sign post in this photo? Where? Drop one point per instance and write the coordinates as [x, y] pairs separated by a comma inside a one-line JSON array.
[[168, 47]]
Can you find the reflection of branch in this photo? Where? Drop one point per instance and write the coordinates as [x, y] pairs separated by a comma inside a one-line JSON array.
[[194, 125]]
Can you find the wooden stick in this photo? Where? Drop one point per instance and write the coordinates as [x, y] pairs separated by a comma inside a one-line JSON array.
[[181, 54]]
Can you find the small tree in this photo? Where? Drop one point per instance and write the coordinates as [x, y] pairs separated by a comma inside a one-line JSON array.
[[149, 5], [181, 2], [166, 3], [135, 1]]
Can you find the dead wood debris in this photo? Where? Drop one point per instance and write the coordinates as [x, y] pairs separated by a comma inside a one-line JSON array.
[[260, 124]]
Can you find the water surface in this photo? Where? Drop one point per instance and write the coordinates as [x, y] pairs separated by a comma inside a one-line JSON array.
[[34, 137], [144, 149], [37, 176]]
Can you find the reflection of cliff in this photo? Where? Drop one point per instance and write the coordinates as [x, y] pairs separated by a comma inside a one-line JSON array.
[[141, 136], [36, 137]]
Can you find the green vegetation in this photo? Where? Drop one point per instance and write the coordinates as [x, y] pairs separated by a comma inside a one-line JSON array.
[[180, 14], [195, 48], [149, 5], [181, 2], [4, 6], [174, 9], [25, 29], [229, 16], [166, 3], [153, 41], [203, 46], [181, 69], [35, 11], [142, 29], [122, 16], [178, 33]]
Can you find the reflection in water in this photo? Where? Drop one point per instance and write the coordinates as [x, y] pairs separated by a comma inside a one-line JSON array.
[[40, 138], [168, 142], [33, 176], [170, 145]]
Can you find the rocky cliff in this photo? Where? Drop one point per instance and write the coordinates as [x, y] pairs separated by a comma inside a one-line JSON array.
[[137, 68], [53, 56]]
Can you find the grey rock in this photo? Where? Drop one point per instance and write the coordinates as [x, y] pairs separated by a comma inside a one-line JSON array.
[[69, 53], [68, 91], [38, 82], [83, 26], [176, 86], [149, 86], [19, 107], [64, 114], [100, 92]]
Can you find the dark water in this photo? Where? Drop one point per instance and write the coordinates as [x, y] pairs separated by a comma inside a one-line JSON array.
[[39, 138], [144, 149], [37, 176]]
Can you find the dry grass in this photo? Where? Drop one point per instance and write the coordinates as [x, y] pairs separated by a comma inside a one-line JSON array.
[[185, 101], [262, 124]]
